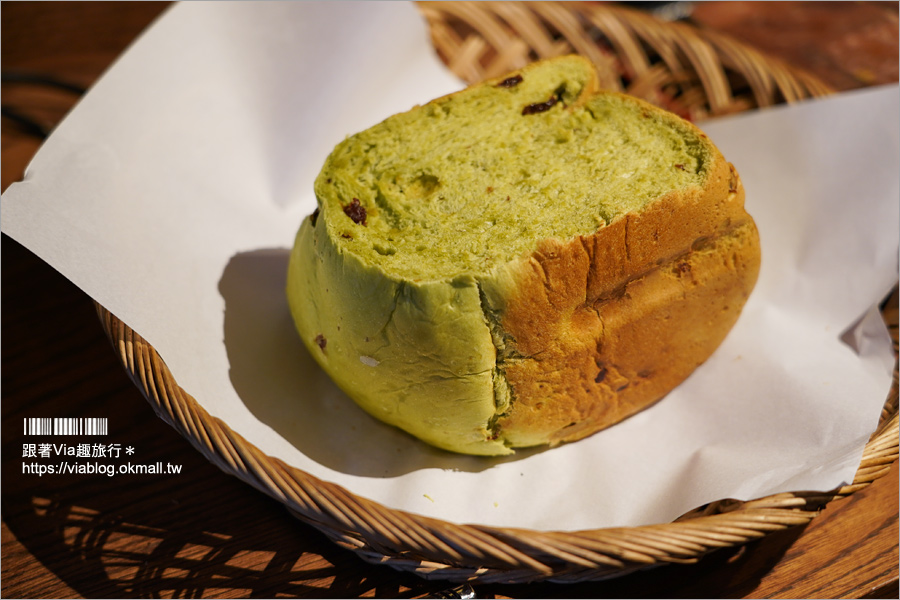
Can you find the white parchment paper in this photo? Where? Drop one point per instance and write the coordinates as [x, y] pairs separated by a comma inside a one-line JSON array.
[[172, 192]]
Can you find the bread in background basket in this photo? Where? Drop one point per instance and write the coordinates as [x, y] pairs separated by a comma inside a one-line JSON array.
[[524, 262]]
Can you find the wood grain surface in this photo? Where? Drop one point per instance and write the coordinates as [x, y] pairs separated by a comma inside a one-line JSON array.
[[202, 533]]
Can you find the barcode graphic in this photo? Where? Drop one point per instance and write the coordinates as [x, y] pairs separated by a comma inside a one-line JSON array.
[[66, 426]]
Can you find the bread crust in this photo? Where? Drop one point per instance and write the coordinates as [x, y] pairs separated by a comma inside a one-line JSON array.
[[604, 325]]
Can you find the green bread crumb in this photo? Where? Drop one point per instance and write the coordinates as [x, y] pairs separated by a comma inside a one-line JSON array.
[[468, 182]]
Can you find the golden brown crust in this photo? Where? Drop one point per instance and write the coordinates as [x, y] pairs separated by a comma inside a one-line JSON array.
[[607, 324]]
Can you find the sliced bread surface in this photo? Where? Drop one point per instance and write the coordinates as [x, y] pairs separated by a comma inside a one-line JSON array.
[[524, 262]]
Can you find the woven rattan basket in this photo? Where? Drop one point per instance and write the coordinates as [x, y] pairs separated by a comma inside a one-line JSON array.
[[692, 72]]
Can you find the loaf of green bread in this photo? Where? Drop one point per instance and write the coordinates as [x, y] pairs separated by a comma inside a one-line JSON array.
[[523, 262]]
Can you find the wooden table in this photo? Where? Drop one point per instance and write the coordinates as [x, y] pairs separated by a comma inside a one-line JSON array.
[[202, 533]]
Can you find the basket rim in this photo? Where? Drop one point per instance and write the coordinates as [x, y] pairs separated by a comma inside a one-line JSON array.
[[438, 549]]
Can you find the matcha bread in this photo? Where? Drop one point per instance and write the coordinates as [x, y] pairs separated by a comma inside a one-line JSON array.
[[524, 262]]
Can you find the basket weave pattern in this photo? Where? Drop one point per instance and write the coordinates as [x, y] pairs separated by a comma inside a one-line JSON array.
[[693, 73], [697, 73]]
